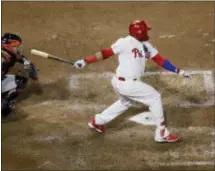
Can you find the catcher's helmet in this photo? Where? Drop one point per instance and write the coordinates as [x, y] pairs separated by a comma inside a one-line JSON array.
[[139, 29], [14, 41]]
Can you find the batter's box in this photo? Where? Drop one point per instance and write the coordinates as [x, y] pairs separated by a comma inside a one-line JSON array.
[[175, 90]]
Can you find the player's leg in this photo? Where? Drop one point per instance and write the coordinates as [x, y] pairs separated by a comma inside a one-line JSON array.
[[111, 112], [12, 86], [8, 91], [117, 108], [147, 95]]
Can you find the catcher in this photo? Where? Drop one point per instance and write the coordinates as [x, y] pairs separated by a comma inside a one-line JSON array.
[[13, 85]]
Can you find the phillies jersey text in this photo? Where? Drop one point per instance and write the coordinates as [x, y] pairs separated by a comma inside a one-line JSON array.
[[132, 56]]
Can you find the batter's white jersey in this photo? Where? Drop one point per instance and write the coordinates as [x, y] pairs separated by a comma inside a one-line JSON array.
[[132, 56]]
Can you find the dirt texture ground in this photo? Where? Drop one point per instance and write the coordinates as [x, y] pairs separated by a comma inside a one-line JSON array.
[[48, 129]]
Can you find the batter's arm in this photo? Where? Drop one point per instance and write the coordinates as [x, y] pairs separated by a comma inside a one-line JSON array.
[[164, 63], [102, 55]]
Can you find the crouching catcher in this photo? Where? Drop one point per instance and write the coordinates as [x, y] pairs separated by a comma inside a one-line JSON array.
[[13, 85]]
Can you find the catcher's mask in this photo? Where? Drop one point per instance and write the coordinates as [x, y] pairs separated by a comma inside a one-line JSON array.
[[14, 41]]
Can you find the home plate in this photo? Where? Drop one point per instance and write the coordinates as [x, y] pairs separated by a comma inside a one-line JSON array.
[[145, 118]]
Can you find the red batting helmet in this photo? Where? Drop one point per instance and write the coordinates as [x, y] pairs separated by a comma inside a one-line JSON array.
[[139, 29]]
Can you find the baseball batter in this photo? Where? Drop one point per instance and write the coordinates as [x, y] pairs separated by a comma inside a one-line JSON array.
[[133, 51]]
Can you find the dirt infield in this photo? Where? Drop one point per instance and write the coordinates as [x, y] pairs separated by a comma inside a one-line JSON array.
[[48, 129]]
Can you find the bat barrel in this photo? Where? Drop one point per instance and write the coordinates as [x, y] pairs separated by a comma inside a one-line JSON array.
[[39, 53], [49, 56]]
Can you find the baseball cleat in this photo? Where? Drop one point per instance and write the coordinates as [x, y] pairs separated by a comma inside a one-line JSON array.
[[169, 139], [98, 128]]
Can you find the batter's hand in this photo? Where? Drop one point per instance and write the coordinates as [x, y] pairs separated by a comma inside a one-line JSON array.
[[184, 74], [79, 64]]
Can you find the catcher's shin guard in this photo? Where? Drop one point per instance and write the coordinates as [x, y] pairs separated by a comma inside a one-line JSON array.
[[8, 102]]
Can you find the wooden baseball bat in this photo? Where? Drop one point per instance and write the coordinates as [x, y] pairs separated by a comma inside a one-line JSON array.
[[50, 56]]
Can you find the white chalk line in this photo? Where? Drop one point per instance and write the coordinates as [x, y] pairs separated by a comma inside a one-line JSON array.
[[67, 105], [167, 36], [186, 163], [209, 82], [208, 103], [111, 74]]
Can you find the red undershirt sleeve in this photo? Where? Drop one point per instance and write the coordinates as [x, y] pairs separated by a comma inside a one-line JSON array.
[[106, 53], [164, 63]]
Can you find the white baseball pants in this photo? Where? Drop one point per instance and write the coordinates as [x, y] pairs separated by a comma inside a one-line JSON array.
[[128, 91], [8, 83]]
